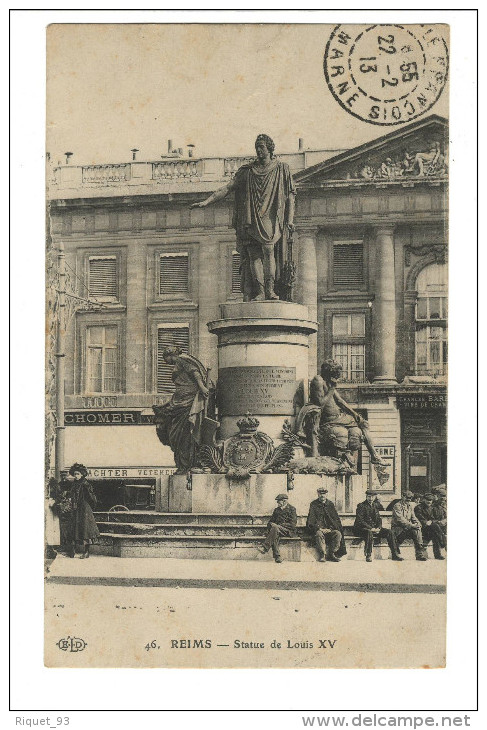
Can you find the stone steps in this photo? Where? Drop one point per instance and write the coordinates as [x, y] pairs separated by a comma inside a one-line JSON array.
[[142, 529], [182, 518], [228, 547], [218, 537], [189, 518]]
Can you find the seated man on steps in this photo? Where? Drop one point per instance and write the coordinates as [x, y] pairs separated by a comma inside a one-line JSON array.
[[405, 525], [368, 525], [281, 524], [440, 509], [430, 527], [326, 527]]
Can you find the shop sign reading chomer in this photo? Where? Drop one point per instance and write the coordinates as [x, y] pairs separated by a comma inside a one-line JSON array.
[[108, 418], [260, 389]]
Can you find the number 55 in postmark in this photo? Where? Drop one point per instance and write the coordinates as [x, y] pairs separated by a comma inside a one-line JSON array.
[[386, 74]]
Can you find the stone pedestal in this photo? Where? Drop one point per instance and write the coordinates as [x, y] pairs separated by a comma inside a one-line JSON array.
[[262, 363], [217, 494]]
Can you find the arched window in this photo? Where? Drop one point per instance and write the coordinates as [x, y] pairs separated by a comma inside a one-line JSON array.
[[431, 321]]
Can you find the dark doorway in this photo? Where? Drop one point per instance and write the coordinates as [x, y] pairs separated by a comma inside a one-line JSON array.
[[134, 494]]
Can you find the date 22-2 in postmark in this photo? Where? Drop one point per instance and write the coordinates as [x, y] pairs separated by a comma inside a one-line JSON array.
[[386, 74]]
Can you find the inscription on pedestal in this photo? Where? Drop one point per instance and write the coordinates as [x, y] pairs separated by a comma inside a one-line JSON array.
[[258, 390]]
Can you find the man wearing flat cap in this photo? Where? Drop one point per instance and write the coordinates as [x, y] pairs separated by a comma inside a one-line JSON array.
[[281, 524], [431, 529], [325, 526], [439, 508], [405, 524], [368, 525]]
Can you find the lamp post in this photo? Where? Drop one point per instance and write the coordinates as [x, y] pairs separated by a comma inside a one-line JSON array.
[[60, 355]]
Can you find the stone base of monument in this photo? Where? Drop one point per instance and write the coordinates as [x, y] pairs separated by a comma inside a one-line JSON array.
[[219, 494], [222, 519]]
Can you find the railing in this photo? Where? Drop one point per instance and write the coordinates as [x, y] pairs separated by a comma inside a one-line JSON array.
[[177, 169], [106, 174], [231, 164], [170, 170]]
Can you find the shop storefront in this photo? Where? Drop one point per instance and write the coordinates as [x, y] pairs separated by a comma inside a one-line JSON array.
[[423, 440], [127, 464]]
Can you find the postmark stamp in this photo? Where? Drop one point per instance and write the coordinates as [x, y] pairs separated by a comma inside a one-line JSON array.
[[386, 74]]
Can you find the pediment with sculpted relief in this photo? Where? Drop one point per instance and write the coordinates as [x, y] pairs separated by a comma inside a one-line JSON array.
[[414, 152]]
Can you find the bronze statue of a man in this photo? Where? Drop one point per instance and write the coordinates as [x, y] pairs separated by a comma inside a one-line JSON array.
[[263, 215]]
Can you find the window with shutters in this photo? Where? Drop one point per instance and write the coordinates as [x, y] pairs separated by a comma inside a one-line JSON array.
[[236, 288], [348, 264], [103, 278], [169, 335], [173, 274], [348, 345], [431, 321], [102, 359]]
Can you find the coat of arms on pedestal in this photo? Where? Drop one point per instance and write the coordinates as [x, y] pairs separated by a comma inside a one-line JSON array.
[[249, 451]]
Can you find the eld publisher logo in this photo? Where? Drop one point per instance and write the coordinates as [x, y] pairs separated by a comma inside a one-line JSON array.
[[71, 643]]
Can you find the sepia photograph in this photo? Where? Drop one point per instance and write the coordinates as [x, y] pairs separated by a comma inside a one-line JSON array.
[[246, 345]]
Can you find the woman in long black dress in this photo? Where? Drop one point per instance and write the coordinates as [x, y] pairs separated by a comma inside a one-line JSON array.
[[82, 525]]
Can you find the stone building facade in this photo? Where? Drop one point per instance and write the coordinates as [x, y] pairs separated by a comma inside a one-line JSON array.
[[370, 249]]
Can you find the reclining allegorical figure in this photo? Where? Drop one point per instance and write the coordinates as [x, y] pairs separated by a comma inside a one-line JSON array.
[[329, 425]]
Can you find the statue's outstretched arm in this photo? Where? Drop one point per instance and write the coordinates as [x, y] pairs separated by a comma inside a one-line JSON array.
[[216, 196]]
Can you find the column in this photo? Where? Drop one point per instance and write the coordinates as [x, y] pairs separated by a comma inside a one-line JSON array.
[[384, 311], [135, 344], [307, 276], [211, 268]]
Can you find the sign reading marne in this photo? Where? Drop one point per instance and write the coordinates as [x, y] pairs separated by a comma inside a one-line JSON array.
[[260, 390]]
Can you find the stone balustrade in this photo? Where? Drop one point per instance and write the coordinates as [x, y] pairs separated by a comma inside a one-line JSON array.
[[173, 172], [231, 164], [177, 169], [105, 174]]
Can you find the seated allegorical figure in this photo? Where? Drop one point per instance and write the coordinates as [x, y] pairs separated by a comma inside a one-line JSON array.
[[330, 426]]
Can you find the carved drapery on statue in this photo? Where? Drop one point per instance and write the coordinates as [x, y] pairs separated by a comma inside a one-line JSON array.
[[180, 423], [260, 217]]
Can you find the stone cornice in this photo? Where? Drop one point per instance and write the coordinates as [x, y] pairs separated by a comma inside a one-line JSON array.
[[432, 182]]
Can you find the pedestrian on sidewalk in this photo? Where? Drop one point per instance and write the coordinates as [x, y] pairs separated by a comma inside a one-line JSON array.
[[281, 524], [326, 527], [405, 525], [430, 527], [81, 525], [368, 526]]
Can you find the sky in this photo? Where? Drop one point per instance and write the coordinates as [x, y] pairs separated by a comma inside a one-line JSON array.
[[114, 87]]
